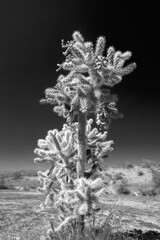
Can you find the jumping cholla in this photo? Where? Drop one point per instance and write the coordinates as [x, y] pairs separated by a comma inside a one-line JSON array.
[[83, 93]]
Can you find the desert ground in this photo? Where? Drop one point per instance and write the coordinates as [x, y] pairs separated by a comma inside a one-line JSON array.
[[132, 196]]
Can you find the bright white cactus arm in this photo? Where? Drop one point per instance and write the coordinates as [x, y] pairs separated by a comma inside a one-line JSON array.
[[112, 68], [95, 137], [87, 193], [48, 149], [100, 46], [47, 179], [103, 149], [77, 36]]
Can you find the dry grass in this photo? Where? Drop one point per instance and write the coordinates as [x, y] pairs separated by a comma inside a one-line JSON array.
[[20, 216], [102, 229]]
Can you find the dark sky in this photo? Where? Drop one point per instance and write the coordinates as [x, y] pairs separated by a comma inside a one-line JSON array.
[[30, 48]]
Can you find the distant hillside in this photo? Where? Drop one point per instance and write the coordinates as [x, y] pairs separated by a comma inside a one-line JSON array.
[[20, 173]]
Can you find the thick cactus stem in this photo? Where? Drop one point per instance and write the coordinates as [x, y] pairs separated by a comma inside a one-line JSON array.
[[81, 144]]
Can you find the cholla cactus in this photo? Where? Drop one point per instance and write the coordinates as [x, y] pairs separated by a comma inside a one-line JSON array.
[[83, 92]]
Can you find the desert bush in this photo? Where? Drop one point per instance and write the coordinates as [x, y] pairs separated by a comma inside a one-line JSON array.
[[140, 173], [6, 174], [148, 192], [156, 178], [118, 176], [148, 163], [9, 183], [123, 188], [30, 173], [108, 175], [17, 175], [85, 90], [21, 173], [129, 165], [32, 184], [2, 183], [26, 188]]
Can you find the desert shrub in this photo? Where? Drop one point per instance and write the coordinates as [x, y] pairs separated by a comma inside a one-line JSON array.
[[6, 174], [140, 173], [148, 192], [26, 188], [123, 188], [148, 163], [29, 184], [129, 165], [17, 175], [156, 178], [30, 172], [9, 183], [2, 183], [118, 176], [108, 175], [32, 184], [21, 173]]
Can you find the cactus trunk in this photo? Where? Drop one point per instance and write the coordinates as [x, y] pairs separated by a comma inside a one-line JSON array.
[[81, 144]]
